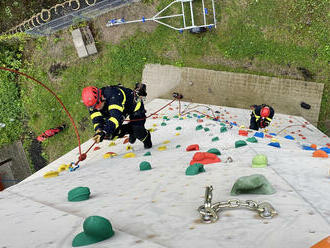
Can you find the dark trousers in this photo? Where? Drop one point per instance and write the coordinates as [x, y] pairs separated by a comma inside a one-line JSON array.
[[253, 123]]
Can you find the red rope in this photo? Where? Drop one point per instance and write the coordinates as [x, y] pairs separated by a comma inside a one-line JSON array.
[[59, 100]]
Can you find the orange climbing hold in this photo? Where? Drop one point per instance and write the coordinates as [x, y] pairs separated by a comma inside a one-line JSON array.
[[204, 158], [97, 148], [243, 132], [324, 243], [199, 120], [320, 154], [194, 147], [126, 141]]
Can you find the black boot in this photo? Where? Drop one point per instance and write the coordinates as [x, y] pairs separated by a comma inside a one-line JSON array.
[[131, 138], [147, 141]]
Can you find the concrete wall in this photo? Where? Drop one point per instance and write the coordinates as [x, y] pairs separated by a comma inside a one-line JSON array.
[[234, 89], [19, 166], [6, 176]]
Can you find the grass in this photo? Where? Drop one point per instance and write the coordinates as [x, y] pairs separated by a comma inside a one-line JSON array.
[[286, 34]]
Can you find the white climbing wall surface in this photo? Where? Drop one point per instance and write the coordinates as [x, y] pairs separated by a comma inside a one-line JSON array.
[[158, 207]]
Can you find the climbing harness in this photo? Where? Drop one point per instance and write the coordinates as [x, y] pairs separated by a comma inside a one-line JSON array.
[[209, 211]]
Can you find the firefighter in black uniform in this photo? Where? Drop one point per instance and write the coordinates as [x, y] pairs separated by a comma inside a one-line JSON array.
[[108, 108], [261, 116]]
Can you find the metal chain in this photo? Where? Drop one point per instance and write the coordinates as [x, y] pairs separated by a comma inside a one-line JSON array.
[[209, 211]]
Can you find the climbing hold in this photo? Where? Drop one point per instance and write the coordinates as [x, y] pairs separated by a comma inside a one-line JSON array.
[[324, 243], [259, 161], [308, 148], [177, 134], [204, 158], [223, 129], [178, 146], [243, 132], [314, 146], [145, 166], [215, 139], [275, 144], [252, 140], [289, 137], [178, 128], [222, 124], [240, 143], [326, 149], [206, 129], [126, 141], [147, 154], [274, 140], [154, 125], [165, 117], [195, 115], [305, 105], [181, 118], [175, 116], [195, 169], [253, 184], [109, 155], [163, 124], [199, 127], [96, 229], [79, 194], [268, 136], [62, 168], [242, 126], [274, 134], [151, 130], [320, 154], [129, 147], [194, 147], [97, 148], [214, 151], [129, 155], [162, 148], [74, 168], [112, 144], [166, 142], [50, 174], [199, 120], [259, 135]]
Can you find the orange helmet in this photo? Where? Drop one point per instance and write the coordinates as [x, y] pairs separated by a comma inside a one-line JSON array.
[[265, 112], [91, 96]]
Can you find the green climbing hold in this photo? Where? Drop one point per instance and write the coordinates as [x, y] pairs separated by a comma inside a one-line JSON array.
[[223, 129], [96, 229], [181, 118], [252, 140], [145, 166], [199, 127], [147, 154], [195, 169], [195, 115], [175, 116], [259, 161], [178, 128], [206, 129], [189, 116], [254, 184], [178, 146], [214, 151], [215, 139], [163, 124], [165, 117], [79, 194], [240, 143], [222, 124], [202, 116]]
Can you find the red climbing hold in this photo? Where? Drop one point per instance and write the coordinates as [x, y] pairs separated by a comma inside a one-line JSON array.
[[328, 144], [193, 147], [268, 136], [205, 158], [170, 108], [199, 120], [243, 132], [303, 137], [126, 141], [290, 121], [97, 148]]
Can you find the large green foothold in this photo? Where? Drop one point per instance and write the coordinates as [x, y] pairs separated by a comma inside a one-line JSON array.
[[178, 146], [147, 154], [165, 117], [199, 127], [240, 143], [252, 140], [96, 229], [79, 194], [195, 169], [206, 129], [145, 166], [223, 129], [254, 184], [178, 128], [215, 139], [163, 124], [214, 151], [259, 161]]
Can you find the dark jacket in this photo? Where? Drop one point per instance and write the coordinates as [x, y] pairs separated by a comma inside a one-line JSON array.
[[120, 102]]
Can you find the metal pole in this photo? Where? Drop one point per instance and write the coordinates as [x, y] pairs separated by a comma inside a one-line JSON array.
[[215, 21], [183, 16], [192, 14], [204, 12]]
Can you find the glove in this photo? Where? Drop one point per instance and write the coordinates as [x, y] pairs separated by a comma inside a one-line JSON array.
[[264, 123], [99, 136]]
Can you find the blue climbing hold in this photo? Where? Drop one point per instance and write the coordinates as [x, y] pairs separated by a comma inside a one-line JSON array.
[[275, 144], [210, 27], [289, 137], [143, 19], [206, 11], [308, 148], [326, 149], [180, 31], [259, 134], [233, 124], [273, 134]]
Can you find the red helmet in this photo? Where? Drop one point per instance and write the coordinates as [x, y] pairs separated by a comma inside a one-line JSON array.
[[91, 96], [265, 112]]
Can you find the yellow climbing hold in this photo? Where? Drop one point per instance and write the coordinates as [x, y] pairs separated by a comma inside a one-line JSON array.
[[154, 125], [129, 155], [242, 126], [151, 130], [112, 144], [51, 174], [177, 134], [275, 140], [109, 155], [162, 148], [68, 166], [166, 142], [129, 147], [62, 168]]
